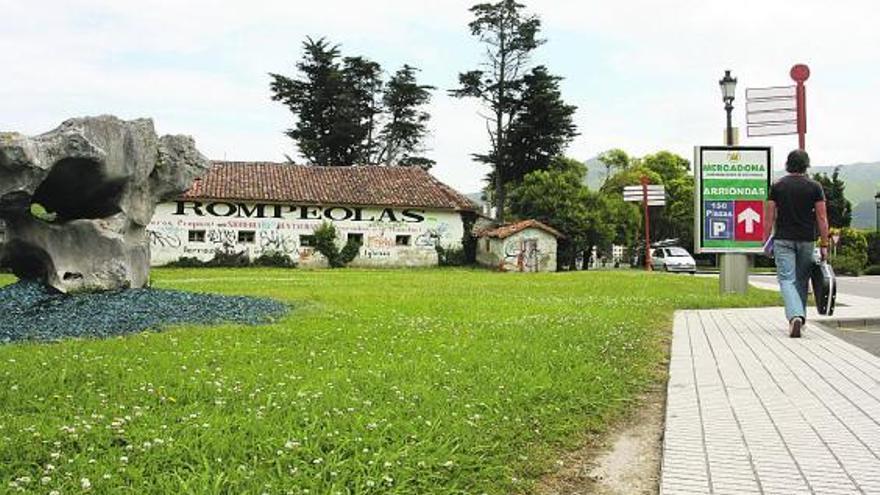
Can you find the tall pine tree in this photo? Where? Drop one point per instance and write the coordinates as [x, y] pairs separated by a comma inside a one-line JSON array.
[[406, 125], [314, 99], [341, 107], [542, 126], [509, 36]]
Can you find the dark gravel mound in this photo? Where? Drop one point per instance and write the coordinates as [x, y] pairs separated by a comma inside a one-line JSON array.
[[31, 311]]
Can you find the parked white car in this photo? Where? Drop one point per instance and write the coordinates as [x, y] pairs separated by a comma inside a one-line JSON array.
[[673, 259]]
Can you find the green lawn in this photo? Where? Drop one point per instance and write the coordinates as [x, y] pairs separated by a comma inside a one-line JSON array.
[[421, 381]]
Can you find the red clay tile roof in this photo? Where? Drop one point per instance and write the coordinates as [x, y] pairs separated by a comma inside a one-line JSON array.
[[509, 229], [360, 185]]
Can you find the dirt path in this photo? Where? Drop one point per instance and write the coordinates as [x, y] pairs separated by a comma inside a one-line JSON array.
[[625, 461]]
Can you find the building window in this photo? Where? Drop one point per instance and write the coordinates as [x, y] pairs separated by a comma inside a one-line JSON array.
[[355, 237], [196, 236], [307, 241], [402, 240], [246, 236]]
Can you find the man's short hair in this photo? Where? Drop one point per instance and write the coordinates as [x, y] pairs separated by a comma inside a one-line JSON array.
[[798, 162]]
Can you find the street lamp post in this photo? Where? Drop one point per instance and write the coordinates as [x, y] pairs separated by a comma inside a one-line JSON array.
[[728, 94], [877, 201], [733, 267]]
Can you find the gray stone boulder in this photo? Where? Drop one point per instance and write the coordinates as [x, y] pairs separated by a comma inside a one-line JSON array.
[[76, 200]]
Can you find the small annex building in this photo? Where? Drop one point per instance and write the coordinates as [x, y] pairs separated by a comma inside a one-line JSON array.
[[399, 214], [526, 246]]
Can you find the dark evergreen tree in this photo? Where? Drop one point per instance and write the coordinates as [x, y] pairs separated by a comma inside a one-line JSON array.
[[360, 105], [314, 99], [541, 128], [839, 208], [406, 127], [340, 108], [509, 36]]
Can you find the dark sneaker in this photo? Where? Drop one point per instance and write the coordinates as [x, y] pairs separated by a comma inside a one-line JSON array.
[[797, 324]]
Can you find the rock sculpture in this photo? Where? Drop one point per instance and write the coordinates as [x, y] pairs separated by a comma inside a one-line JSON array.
[[76, 201]]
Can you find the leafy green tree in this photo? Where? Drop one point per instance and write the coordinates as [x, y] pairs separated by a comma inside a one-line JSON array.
[[839, 208], [631, 176], [676, 219], [340, 106], [509, 36], [668, 166], [406, 128], [614, 159], [558, 197]]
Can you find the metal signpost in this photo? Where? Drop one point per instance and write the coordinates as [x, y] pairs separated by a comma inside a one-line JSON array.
[[732, 185], [779, 110], [648, 195]]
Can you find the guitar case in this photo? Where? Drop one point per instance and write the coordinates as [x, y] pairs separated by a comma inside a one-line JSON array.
[[824, 288]]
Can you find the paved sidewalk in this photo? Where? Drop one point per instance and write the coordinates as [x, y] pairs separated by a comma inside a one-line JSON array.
[[751, 411]]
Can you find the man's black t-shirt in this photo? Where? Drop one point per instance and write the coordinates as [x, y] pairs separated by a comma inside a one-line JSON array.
[[796, 197]]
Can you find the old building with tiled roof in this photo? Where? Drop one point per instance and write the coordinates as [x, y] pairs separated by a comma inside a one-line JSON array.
[[364, 185], [398, 214], [524, 246]]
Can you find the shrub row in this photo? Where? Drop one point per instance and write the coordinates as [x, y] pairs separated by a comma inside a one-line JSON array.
[[232, 259]]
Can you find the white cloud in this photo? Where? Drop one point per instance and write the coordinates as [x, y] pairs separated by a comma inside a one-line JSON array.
[[643, 73]]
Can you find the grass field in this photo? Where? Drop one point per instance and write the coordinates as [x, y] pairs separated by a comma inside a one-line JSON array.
[[422, 381]]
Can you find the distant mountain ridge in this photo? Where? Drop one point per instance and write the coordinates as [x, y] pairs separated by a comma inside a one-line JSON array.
[[862, 183]]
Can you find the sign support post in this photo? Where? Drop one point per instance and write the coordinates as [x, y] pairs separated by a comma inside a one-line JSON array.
[[801, 73], [733, 269], [648, 195]]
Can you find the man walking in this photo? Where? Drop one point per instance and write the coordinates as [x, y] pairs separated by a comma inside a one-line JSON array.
[[796, 213]]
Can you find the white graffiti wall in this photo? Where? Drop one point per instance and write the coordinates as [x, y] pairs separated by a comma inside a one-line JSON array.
[[389, 236]]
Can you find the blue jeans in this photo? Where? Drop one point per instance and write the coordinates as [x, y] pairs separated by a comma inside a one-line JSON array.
[[794, 262]]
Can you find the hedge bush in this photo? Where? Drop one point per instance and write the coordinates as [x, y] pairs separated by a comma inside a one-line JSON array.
[[451, 256], [872, 270], [851, 253]]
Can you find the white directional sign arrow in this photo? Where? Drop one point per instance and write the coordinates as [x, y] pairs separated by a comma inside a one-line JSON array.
[[750, 217]]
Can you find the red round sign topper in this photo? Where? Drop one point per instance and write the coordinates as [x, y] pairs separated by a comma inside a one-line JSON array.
[[800, 73]]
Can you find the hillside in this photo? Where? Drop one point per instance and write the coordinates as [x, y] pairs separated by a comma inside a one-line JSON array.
[[862, 183]]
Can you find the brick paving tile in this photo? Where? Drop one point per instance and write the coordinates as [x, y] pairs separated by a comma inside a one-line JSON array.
[[751, 411]]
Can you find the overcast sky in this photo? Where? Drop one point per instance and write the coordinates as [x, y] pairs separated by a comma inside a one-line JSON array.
[[643, 74]]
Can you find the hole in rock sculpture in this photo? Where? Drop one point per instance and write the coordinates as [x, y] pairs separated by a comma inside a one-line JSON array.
[[78, 188]]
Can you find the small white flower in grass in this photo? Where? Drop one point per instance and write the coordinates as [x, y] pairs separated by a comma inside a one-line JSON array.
[[318, 461], [45, 480], [106, 476], [85, 484], [448, 464], [54, 492], [371, 483], [291, 444]]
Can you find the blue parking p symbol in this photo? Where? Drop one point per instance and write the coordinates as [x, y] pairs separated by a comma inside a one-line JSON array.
[[719, 220]]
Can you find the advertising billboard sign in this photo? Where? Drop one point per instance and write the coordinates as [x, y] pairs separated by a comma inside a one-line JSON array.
[[732, 184]]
